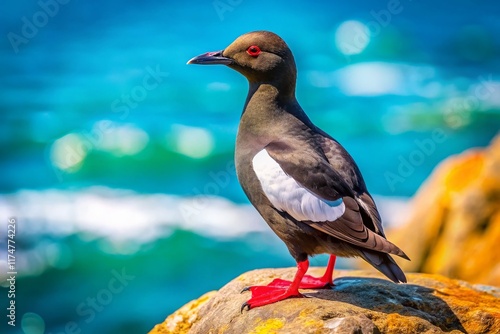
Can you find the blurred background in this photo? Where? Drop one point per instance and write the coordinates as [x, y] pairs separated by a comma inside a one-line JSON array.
[[117, 157]]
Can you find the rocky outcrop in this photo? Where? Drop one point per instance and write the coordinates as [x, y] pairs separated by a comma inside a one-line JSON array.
[[453, 228], [360, 302]]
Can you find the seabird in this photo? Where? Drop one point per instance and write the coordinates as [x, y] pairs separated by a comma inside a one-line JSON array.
[[305, 185]]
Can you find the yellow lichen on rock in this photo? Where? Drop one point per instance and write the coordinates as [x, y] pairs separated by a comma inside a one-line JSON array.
[[269, 326], [180, 321]]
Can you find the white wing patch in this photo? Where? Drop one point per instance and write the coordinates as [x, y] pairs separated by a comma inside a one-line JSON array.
[[289, 196]]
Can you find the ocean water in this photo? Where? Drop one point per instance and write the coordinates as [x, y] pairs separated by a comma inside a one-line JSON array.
[[117, 157]]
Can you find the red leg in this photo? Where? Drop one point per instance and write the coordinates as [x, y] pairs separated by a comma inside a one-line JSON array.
[[327, 278], [264, 295], [310, 282]]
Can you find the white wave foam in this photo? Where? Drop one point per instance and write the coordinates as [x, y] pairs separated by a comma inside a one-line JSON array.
[[123, 215]]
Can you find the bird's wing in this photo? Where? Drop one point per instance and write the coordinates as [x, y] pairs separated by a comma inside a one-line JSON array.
[[308, 189], [344, 164]]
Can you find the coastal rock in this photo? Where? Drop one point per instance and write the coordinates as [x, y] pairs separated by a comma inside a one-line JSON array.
[[453, 227], [360, 302]]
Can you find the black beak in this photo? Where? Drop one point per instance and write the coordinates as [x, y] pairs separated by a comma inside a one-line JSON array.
[[211, 58]]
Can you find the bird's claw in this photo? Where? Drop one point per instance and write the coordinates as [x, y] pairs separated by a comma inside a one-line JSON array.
[[245, 305], [245, 289]]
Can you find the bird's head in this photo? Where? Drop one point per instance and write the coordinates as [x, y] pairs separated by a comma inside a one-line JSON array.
[[261, 56]]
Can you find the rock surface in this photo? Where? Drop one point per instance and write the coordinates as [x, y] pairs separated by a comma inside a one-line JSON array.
[[360, 302], [454, 222]]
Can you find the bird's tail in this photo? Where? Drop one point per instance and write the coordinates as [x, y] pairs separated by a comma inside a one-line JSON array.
[[385, 264]]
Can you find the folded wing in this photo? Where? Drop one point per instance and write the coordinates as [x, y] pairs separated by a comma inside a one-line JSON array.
[[312, 192]]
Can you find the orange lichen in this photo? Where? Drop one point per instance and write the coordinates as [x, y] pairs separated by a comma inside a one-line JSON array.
[[454, 221], [465, 170]]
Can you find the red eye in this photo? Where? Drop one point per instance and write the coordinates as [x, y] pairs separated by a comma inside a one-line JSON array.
[[253, 51]]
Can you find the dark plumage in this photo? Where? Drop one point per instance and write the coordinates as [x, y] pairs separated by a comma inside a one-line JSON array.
[[301, 180]]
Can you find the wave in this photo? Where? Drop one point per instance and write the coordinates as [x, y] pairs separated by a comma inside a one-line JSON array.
[[121, 215]]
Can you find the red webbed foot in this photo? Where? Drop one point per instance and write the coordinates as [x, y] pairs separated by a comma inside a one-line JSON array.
[[307, 282], [264, 295], [280, 289]]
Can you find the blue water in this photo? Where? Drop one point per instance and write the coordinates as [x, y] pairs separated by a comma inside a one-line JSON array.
[[116, 155]]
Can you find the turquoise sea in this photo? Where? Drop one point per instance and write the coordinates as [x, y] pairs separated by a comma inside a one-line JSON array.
[[116, 157]]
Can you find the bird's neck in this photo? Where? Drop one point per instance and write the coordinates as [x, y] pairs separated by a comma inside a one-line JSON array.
[[265, 94], [271, 113], [268, 100]]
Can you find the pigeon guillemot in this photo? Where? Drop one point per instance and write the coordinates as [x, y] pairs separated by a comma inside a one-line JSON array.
[[301, 180]]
